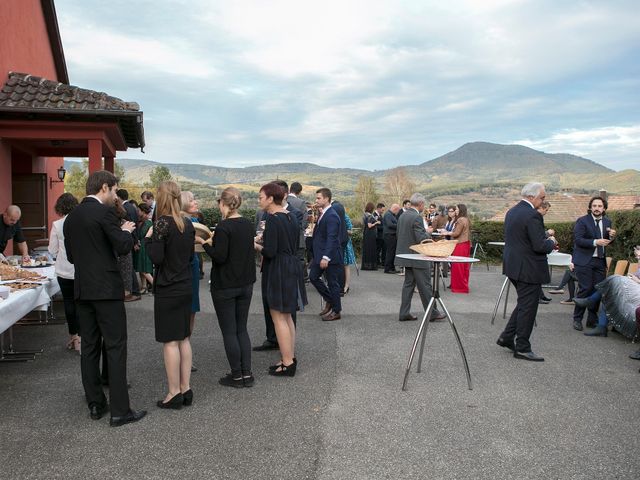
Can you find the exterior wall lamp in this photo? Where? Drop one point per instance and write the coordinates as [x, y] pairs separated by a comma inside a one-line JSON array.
[[61, 173]]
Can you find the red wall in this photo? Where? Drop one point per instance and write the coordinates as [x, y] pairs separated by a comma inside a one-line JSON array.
[[25, 47]]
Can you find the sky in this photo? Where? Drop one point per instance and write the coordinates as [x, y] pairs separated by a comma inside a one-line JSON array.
[[364, 84]]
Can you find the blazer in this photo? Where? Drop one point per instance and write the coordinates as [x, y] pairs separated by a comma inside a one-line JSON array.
[[584, 233], [93, 240], [526, 247], [326, 240], [299, 205], [389, 223], [411, 231], [132, 215], [343, 234]]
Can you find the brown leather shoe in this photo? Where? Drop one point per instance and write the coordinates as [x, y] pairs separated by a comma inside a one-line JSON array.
[[331, 316], [131, 298], [326, 310]]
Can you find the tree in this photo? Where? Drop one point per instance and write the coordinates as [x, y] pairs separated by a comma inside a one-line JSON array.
[[158, 175], [365, 192], [76, 180], [398, 185]]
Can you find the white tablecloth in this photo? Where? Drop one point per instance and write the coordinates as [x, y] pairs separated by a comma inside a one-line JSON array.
[[557, 259], [22, 302]]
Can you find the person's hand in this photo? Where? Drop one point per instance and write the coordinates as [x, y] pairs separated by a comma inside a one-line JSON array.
[[200, 240], [555, 242], [551, 232], [602, 242], [324, 263], [128, 226], [26, 259], [430, 229], [571, 266], [257, 246], [149, 233], [136, 247], [612, 232]]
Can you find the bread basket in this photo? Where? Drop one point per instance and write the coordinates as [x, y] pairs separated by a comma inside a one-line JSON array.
[[428, 247]]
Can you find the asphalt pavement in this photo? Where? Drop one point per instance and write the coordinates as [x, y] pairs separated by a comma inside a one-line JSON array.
[[344, 415]]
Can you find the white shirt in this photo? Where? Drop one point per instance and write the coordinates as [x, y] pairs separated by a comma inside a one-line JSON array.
[[56, 248], [595, 250]]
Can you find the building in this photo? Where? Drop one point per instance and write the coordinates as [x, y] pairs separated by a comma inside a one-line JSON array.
[[44, 119], [567, 207]]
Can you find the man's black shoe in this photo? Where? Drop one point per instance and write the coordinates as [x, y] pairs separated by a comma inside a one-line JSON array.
[[130, 417], [545, 298], [592, 324], [532, 357], [543, 302], [437, 316], [96, 411], [393, 272], [635, 355], [577, 325], [408, 318], [266, 345], [506, 344]]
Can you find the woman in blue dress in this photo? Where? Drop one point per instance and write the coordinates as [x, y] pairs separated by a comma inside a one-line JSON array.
[[189, 210], [349, 256]]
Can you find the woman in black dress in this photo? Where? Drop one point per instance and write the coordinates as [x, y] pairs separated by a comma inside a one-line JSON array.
[[233, 274], [369, 234], [170, 246], [282, 279]]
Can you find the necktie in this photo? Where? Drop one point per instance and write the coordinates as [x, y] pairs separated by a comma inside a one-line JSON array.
[[599, 235]]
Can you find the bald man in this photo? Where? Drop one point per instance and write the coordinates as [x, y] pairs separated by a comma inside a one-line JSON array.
[[10, 230]]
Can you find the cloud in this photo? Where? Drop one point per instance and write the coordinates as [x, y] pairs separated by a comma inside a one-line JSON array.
[[602, 143]]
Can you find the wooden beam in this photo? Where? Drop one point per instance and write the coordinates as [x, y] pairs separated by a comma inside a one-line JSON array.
[[95, 155]]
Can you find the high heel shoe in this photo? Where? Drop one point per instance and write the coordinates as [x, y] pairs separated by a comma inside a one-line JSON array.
[[346, 290], [187, 398], [284, 371], [273, 368], [175, 403]]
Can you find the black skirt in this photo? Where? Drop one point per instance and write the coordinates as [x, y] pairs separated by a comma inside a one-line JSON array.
[[172, 316]]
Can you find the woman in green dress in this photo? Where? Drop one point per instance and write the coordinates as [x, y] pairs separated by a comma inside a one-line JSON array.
[[141, 261]]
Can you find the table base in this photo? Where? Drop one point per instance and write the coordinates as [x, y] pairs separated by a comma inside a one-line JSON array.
[[422, 330]]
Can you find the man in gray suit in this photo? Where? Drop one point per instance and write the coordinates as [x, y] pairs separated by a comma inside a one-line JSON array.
[[411, 231]]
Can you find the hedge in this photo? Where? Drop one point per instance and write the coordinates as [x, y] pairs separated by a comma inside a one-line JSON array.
[[626, 223]]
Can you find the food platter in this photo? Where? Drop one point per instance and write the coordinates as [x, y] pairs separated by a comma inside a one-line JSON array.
[[14, 273]]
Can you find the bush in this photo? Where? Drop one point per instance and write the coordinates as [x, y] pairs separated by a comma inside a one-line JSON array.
[[212, 215]]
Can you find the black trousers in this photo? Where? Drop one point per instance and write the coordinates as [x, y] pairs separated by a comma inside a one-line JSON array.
[[381, 252], [588, 277], [232, 309], [268, 320], [331, 291], [104, 321], [66, 288], [523, 317], [390, 242]]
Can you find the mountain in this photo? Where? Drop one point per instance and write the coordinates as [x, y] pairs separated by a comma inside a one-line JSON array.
[[469, 168], [487, 162]]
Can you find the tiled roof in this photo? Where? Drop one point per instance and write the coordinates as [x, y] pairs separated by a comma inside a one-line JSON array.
[[27, 91], [567, 207]]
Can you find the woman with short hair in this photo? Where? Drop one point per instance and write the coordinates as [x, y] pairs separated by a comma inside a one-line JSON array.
[[282, 279]]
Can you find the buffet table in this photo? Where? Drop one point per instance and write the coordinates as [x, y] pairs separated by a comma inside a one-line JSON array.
[[22, 302]]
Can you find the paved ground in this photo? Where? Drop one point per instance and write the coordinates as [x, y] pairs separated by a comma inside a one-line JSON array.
[[344, 415]]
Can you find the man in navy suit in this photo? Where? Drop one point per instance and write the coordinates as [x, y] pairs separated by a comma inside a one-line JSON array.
[[327, 256], [591, 235], [525, 264]]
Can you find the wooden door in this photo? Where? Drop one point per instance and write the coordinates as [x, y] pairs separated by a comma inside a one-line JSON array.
[[30, 194]]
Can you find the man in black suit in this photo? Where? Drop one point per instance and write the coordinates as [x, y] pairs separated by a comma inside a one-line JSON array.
[[327, 256], [390, 230], [525, 264], [132, 216], [592, 234], [93, 240]]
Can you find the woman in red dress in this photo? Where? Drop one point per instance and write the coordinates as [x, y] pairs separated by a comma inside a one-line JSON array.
[[461, 233]]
